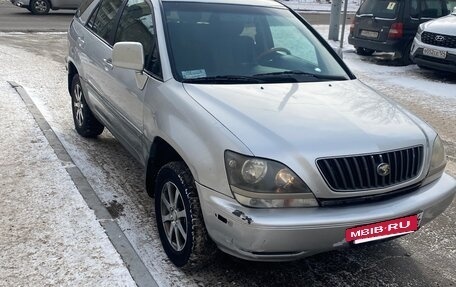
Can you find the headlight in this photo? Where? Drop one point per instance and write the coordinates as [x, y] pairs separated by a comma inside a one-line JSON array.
[[438, 161], [263, 183], [419, 32]]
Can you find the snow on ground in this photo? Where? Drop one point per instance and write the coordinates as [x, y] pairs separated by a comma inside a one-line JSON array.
[[48, 235], [100, 159]]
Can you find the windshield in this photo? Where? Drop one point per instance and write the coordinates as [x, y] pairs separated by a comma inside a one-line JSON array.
[[219, 43], [380, 8]]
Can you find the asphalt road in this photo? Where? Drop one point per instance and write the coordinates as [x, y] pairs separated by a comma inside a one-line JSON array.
[[15, 19]]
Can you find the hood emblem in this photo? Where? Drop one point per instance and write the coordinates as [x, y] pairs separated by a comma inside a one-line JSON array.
[[383, 169], [439, 38]]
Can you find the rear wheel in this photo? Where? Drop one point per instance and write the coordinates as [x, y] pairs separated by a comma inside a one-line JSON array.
[[364, 51], [85, 122], [179, 218], [39, 7], [405, 55]]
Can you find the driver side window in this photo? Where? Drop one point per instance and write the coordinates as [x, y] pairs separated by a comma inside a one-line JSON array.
[[137, 25]]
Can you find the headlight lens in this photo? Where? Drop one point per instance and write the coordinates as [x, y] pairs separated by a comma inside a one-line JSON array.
[[254, 170], [419, 32], [438, 161], [262, 183]]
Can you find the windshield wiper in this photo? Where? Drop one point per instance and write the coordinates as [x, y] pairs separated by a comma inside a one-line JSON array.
[[299, 74], [227, 79]]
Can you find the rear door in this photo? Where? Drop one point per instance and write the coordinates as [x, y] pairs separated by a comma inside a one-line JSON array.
[[375, 17]]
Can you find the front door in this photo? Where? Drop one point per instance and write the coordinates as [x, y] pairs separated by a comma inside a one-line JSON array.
[[136, 24]]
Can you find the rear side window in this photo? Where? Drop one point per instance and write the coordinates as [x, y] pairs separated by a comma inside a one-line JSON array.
[[104, 20], [380, 8]]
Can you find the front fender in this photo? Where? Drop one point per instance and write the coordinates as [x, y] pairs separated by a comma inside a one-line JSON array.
[[193, 132]]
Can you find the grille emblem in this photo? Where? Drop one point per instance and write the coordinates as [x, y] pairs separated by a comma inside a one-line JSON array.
[[383, 169], [439, 38]]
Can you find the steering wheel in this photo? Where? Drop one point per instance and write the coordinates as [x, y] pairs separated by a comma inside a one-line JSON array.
[[271, 51]]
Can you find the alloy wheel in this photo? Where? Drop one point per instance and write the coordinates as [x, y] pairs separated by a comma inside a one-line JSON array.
[[40, 6], [78, 104], [174, 216]]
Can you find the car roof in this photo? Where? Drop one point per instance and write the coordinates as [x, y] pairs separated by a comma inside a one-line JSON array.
[[265, 3]]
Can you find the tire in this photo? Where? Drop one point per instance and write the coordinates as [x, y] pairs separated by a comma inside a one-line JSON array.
[[364, 51], [179, 218], [405, 55], [85, 122], [40, 7]]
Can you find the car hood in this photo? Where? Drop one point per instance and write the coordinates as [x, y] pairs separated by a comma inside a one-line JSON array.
[[309, 120], [444, 25]]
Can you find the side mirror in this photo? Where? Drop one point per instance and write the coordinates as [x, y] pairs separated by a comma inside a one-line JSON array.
[[128, 55]]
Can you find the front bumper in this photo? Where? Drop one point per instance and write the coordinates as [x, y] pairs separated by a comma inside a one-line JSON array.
[[448, 64], [288, 234], [20, 3]]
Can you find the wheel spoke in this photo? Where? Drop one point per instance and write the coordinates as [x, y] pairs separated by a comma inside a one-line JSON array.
[[178, 243], [176, 198], [166, 218], [181, 230], [79, 116], [170, 232], [181, 214], [170, 188], [166, 203]]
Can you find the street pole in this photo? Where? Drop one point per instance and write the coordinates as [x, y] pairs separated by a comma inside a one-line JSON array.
[[344, 21], [334, 20]]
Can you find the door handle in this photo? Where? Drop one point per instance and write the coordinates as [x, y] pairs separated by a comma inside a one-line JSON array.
[[108, 64], [81, 42]]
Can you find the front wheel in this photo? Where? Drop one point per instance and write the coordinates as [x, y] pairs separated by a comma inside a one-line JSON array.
[[39, 7], [179, 218]]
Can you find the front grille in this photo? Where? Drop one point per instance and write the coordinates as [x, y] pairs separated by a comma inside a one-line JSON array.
[[361, 172], [432, 39], [368, 198]]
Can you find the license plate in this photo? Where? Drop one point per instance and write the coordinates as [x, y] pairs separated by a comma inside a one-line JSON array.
[[382, 230], [435, 53], [369, 34]]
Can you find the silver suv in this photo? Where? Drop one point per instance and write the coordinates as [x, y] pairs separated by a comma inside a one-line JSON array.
[[254, 133]]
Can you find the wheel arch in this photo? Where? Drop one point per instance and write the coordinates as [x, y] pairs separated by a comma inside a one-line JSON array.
[[160, 153], [72, 71]]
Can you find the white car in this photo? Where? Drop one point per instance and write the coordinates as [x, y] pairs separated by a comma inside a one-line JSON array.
[[434, 45]]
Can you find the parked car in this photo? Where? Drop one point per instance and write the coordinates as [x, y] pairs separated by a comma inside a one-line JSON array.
[[254, 134], [41, 7], [434, 46], [391, 25]]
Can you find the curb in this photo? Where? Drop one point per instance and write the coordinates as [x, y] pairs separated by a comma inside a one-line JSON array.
[[130, 257]]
